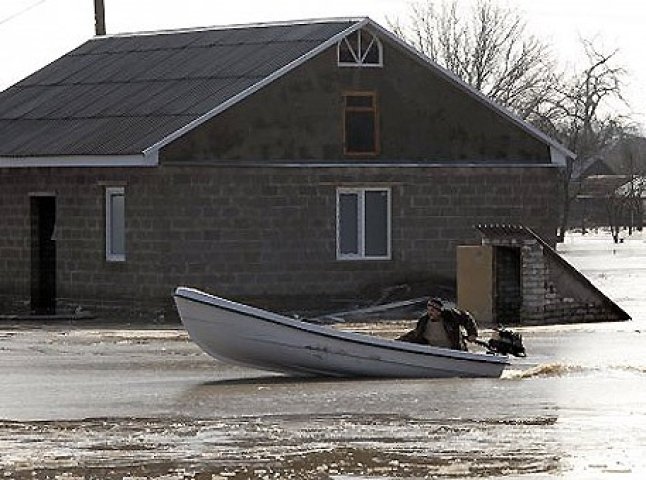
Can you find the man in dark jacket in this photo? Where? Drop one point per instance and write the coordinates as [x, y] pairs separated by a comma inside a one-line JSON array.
[[442, 327]]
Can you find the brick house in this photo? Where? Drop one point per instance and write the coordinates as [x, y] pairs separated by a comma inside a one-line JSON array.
[[273, 161]]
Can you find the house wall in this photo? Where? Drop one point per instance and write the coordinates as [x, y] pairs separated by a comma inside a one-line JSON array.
[[83, 276], [422, 117], [249, 232], [243, 205]]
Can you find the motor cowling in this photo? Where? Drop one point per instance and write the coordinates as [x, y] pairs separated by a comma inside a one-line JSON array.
[[507, 342]]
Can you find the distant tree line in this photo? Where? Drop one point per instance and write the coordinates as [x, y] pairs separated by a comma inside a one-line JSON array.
[[491, 48]]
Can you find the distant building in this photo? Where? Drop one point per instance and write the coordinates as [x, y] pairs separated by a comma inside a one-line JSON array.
[[596, 186], [270, 162], [590, 206]]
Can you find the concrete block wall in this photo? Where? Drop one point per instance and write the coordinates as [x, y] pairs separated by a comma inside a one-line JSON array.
[[569, 310], [255, 232], [83, 275], [274, 229]]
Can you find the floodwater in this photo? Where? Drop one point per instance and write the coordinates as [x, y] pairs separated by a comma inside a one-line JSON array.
[[124, 403]]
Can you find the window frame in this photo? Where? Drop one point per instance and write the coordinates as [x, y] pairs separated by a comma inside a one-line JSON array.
[[361, 225], [110, 255], [360, 56], [375, 114]]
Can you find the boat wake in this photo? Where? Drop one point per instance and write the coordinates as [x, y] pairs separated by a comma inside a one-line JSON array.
[[633, 369], [543, 370], [562, 369]]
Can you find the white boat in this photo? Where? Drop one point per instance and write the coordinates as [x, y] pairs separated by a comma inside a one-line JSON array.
[[240, 334]]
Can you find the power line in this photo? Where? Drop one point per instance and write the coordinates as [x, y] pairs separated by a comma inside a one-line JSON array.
[[24, 10]]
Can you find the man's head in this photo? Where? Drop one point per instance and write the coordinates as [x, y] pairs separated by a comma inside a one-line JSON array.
[[434, 307]]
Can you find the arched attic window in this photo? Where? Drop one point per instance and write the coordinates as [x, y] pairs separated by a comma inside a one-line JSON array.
[[360, 49]]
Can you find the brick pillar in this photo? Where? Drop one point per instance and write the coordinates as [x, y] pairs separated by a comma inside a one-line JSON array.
[[533, 279]]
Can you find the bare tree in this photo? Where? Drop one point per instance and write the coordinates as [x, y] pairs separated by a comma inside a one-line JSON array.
[[582, 116], [632, 162], [488, 47], [615, 208]]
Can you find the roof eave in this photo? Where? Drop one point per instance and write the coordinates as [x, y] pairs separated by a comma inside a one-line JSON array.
[[150, 159]]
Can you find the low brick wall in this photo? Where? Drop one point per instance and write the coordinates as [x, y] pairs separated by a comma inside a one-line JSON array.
[[551, 290]]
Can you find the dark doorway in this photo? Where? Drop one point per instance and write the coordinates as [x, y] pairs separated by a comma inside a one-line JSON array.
[[43, 255], [508, 295]]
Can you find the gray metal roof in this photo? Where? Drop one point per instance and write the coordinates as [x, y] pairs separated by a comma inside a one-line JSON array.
[[129, 95], [123, 94]]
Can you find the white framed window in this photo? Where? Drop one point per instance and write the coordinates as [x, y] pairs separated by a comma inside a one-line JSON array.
[[115, 224], [360, 49], [363, 224]]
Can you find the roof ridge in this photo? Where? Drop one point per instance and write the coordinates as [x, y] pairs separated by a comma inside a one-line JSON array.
[[233, 26]]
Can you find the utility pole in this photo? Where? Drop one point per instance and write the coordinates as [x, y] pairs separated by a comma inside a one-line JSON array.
[[99, 17]]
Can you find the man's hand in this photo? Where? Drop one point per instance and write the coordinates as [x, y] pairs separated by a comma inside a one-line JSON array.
[[471, 338]]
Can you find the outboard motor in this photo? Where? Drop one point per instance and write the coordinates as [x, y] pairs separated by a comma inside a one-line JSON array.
[[506, 342]]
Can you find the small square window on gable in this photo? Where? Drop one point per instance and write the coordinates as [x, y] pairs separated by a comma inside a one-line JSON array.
[[360, 49]]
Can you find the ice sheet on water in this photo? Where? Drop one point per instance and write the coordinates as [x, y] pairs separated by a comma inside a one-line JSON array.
[[304, 446]]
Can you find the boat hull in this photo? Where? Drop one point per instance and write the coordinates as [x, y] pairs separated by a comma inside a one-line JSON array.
[[236, 333]]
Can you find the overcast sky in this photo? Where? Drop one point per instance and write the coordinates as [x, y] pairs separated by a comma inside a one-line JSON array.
[[36, 32]]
